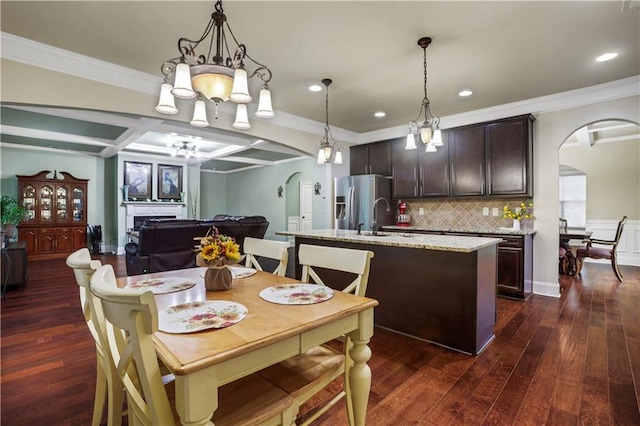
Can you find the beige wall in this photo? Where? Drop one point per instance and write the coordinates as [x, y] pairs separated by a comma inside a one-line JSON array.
[[613, 177]]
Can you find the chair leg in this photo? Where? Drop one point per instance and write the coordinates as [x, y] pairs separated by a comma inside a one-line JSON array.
[[614, 265], [579, 260], [101, 395]]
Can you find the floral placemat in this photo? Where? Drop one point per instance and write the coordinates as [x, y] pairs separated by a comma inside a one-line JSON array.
[[196, 316], [162, 285], [296, 294], [241, 271]]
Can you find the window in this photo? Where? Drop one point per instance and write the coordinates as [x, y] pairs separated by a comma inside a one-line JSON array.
[[573, 200]]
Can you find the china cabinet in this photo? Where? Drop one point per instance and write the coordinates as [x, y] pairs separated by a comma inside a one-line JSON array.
[[57, 220]]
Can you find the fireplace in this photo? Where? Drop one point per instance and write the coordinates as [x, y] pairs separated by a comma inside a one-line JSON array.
[[139, 220], [137, 212]]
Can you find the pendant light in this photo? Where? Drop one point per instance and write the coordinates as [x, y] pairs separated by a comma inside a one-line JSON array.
[[328, 152]]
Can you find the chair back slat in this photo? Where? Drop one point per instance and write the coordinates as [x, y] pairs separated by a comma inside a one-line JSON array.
[[619, 231], [338, 259], [277, 250]]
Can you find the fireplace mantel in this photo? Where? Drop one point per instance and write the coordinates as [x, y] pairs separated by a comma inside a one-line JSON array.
[[151, 208]]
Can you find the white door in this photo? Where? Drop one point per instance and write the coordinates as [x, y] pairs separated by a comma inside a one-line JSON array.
[[305, 206]]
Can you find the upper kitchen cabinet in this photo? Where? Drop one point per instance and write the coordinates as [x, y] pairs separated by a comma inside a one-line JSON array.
[[374, 158], [405, 171], [433, 172], [509, 154], [466, 157]]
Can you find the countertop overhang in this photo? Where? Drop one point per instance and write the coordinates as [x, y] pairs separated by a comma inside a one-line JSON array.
[[454, 243]]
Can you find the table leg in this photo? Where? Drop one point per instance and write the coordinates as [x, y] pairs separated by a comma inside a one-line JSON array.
[[360, 374], [197, 397]]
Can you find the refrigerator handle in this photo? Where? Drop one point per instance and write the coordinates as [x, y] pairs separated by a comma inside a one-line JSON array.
[[352, 210]]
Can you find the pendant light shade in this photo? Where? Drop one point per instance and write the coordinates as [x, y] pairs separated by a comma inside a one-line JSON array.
[[437, 138], [321, 158], [200, 115], [264, 105], [338, 157], [182, 86], [242, 119], [166, 104], [430, 148], [240, 92], [425, 135]]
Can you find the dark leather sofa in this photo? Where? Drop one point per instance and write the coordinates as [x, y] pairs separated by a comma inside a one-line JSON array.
[[168, 244]]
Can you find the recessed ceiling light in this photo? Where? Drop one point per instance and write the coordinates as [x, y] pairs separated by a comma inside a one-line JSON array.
[[465, 93], [315, 88], [606, 57], [380, 114]]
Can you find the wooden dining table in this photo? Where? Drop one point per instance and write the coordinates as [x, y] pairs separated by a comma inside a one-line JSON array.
[[565, 237], [205, 360]]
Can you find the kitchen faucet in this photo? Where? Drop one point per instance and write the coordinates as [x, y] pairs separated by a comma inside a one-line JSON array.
[[374, 224]]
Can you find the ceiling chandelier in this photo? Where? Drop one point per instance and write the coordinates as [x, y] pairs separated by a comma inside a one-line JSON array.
[[217, 76], [185, 149], [429, 130], [329, 152]]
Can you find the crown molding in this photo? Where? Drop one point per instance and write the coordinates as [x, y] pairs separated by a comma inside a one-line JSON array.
[[37, 54]]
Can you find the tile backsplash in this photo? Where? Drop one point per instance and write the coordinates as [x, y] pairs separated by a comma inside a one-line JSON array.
[[462, 213]]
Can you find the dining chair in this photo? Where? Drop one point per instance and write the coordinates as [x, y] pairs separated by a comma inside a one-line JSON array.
[[305, 375], [603, 252], [108, 388], [276, 250], [132, 319]]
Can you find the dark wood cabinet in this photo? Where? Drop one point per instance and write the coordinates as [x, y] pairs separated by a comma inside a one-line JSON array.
[[374, 158], [466, 156], [14, 265], [57, 221], [515, 265], [404, 172], [509, 152], [433, 173]]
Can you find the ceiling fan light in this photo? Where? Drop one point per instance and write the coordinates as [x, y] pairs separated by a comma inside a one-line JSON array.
[[200, 115], [182, 85], [411, 142], [166, 104], [437, 138], [265, 109], [242, 119], [240, 91]]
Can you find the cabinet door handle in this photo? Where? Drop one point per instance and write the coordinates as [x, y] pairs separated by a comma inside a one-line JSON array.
[[489, 193], [482, 188]]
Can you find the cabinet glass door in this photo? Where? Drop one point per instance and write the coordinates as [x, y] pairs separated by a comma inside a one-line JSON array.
[[28, 195], [46, 204], [77, 203], [62, 208]]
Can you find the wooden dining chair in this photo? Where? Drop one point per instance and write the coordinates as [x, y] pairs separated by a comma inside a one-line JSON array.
[[305, 375], [276, 250], [603, 252], [108, 388], [132, 319]]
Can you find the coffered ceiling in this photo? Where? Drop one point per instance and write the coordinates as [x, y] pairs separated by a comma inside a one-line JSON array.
[[505, 52]]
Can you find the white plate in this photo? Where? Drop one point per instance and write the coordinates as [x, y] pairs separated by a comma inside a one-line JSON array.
[[297, 294], [196, 316], [163, 285]]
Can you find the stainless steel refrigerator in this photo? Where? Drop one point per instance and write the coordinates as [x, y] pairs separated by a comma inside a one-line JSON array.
[[354, 198]]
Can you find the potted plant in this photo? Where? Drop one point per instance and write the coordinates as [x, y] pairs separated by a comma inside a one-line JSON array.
[[11, 213]]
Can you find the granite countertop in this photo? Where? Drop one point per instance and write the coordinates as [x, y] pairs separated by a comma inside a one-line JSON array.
[[496, 231], [399, 239]]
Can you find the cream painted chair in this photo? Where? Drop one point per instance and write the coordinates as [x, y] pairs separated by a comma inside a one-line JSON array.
[[305, 375], [132, 319], [108, 387], [277, 250]]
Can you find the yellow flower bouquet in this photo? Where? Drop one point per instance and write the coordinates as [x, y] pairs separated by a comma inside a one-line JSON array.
[[523, 211], [215, 252]]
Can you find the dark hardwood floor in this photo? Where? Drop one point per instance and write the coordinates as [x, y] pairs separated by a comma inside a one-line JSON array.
[[568, 361]]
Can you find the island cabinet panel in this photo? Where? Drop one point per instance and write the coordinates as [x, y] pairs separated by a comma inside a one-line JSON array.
[[443, 297], [509, 157], [405, 172], [374, 158], [466, 153]]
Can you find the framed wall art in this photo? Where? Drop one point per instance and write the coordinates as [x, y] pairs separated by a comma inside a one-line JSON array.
[[169, 182], [137, 178]]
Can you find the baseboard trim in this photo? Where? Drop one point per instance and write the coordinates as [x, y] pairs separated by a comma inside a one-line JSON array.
[[542, 288]]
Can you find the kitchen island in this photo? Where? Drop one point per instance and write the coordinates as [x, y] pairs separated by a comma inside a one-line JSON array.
[[437, 288]]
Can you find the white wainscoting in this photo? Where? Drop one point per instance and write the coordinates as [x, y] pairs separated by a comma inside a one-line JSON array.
[[629, 246]]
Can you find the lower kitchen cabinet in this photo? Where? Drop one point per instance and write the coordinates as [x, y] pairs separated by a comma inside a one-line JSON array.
[[515, 265]]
